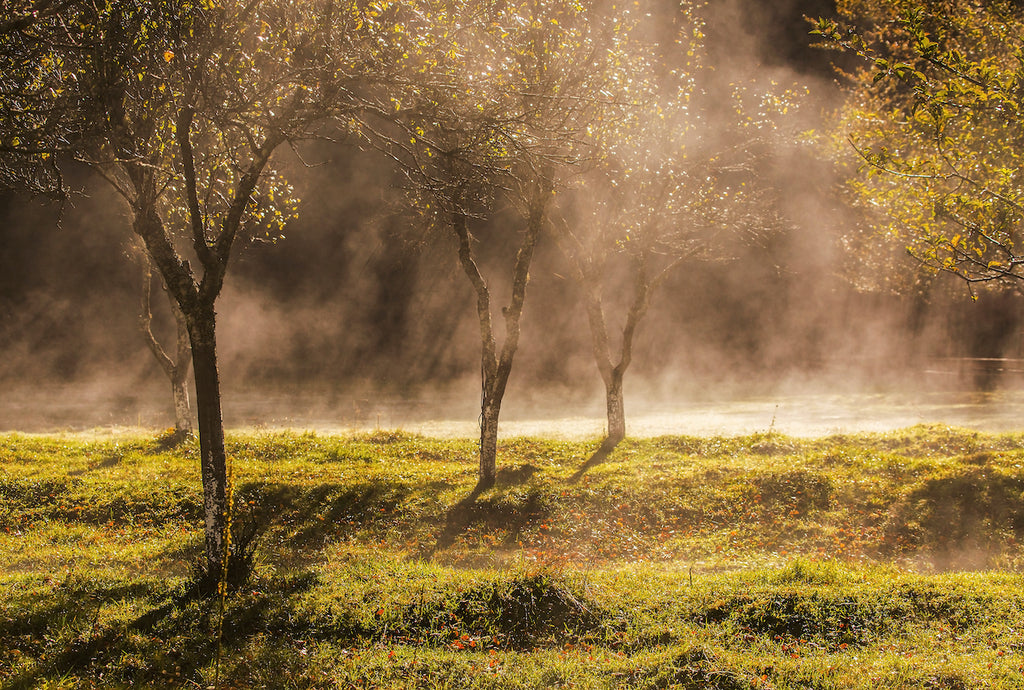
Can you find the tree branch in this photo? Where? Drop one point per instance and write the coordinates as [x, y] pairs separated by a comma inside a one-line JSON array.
[[197, 223], [489, 361]]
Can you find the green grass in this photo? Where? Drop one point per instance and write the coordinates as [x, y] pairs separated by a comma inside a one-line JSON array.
[[870, 561]]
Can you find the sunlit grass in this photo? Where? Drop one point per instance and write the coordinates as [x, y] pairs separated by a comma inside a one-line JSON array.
[[869, 561]]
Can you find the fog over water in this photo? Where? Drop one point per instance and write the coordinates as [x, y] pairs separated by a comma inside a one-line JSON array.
[[81, 408], [354, 322]]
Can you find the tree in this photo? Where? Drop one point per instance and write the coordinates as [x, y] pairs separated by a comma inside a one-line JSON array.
[[663, 189], [935, 113], [180, 107], [188, 141], [38, 40], [175, 367], [498, 97]]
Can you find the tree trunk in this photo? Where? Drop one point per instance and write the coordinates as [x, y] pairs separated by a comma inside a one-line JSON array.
[[488, 442], [616, 410], [495, 367], [179, 373], [182, 409], [213, 459], [176, 369], [196, 301]]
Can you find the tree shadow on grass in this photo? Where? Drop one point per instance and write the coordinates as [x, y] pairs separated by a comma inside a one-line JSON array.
[[112, 460], [295, 523], [960, 520], [308, 518], [330, 511], [600, 455], [496, 511], [90, 646], [177, 638]]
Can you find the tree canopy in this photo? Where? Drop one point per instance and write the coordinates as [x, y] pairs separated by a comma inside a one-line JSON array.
[[935, 115], [39, 101], [180, 107]]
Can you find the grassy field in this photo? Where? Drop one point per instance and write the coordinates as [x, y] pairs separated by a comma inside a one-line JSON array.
[[869, 561]]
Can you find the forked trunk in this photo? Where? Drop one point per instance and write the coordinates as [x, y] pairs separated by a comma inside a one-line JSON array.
[[213, 459], [496, 366], [613, 373], [197, 300]]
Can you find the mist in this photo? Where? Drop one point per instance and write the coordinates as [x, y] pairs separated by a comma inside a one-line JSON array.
[[357, 318]]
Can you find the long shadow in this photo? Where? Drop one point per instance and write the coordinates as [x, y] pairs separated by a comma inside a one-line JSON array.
[[459, 518], [599, 456], [76, 658], [958, 520], [317, 514], [81, 653], [471, 510]]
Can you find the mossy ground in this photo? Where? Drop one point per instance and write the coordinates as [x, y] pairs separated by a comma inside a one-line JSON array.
[[870, 561]]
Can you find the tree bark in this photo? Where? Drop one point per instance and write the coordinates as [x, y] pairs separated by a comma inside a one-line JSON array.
[[213, 458], [183, 360], [182, 407], [489, 442], [616, 409]]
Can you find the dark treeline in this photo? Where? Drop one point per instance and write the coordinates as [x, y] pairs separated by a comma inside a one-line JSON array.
[[350, 301]]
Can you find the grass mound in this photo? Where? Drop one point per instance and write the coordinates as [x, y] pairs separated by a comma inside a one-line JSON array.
[[959, 517], [521, 612]]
